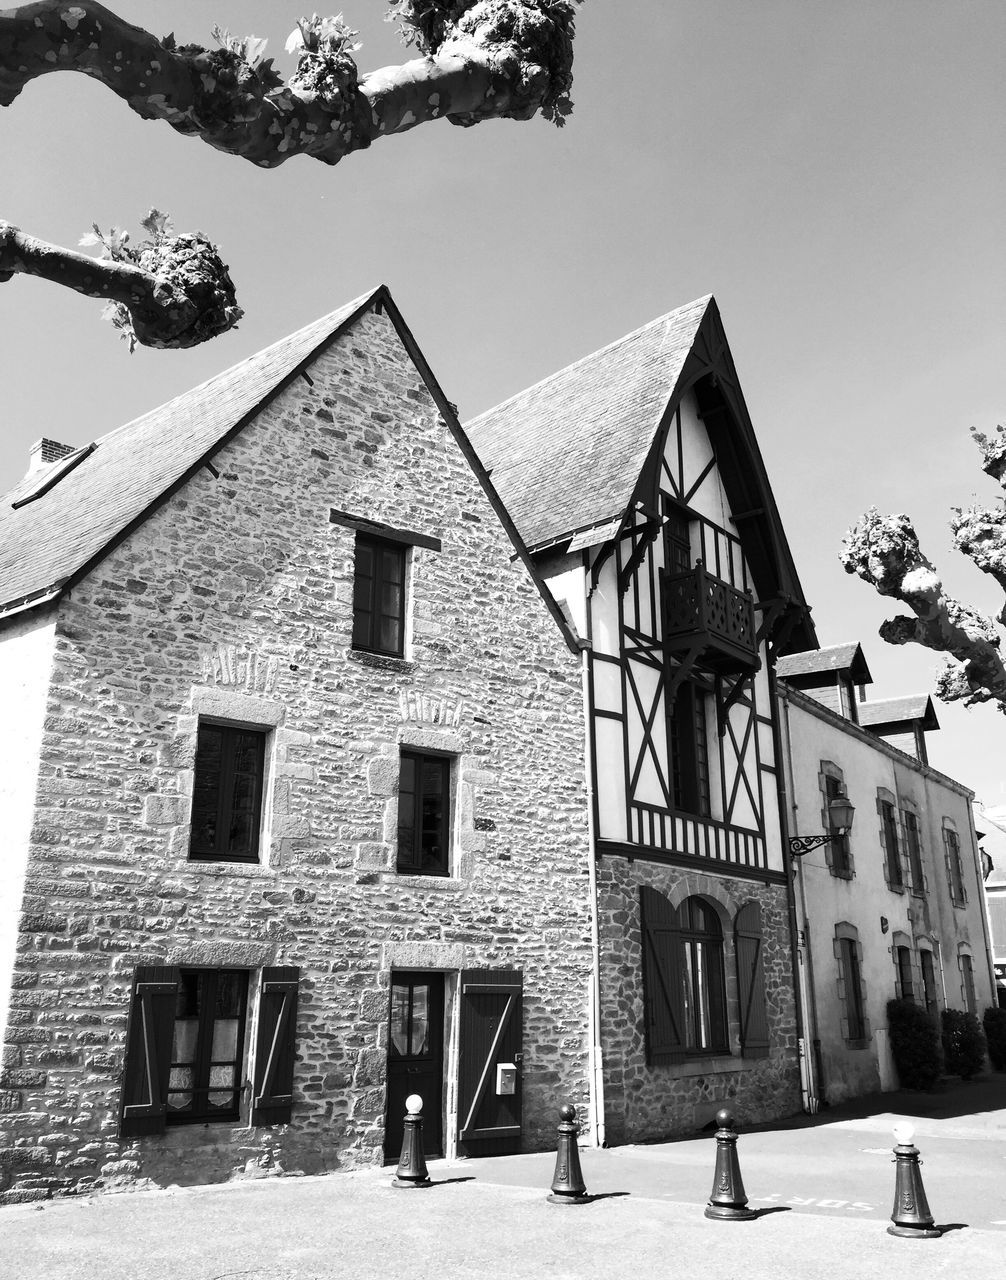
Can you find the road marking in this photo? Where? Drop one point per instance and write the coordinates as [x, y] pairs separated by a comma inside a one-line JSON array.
[[806, 1202], [876, 1151]]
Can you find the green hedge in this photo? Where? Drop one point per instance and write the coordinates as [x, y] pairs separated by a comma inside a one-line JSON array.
[[963, 1043], [995, 1037], [915, 1044]]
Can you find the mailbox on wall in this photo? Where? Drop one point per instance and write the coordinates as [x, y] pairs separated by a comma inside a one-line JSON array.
[[506, 1078]]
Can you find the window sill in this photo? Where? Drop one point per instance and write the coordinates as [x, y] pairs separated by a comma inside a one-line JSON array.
[[239, 870], [714, 1065], [896, 888], [382, 661], [840, 874], [859, 1044], [438, 884]]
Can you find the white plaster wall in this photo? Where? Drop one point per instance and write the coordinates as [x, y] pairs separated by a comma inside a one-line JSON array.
[[866, 901], [26, 648]]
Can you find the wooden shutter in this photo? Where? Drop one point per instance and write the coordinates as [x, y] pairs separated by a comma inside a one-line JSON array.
[[275, 1047], [662, 973], [149, 1032], [751, 982], [490, 1032]]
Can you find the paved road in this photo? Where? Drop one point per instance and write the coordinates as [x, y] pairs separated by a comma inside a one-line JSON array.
[[826, 1189]]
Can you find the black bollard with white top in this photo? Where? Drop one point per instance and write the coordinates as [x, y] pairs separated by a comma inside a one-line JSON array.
[[568, 1186], [911, 1216], [412, 1171], [728, 1201]]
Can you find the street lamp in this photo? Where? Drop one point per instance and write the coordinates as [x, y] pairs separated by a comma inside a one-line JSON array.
[[841, 811]]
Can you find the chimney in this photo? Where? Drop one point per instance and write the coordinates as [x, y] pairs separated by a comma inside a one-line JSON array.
[[44, 452]]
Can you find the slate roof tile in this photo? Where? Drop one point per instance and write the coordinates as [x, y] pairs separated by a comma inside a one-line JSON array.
[[52, 537]]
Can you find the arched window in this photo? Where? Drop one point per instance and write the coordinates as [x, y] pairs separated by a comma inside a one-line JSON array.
[[683, 979]]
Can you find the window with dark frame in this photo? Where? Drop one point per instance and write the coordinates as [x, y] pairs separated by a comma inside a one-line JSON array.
[[906, 987], [207, 1047], [424, 828], [968, 979], [841, 861], [227, 793], [689, 751], [929, 981], [379, 596], [855, 1014], [702, 979], [892, 855], [955, 871], [914, 842]]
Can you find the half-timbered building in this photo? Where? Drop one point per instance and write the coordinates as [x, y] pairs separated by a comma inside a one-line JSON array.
[[636, 481]]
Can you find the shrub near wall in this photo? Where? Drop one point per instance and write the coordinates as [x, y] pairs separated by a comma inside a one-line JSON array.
[[995, 1037], [915, 1044], [963, 1043]]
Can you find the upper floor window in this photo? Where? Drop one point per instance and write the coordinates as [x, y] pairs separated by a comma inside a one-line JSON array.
[[424, 806], [227, 793], [379, 596], [689, 750], [838, 850], [677, 542], [955, 869], [913, 840], [892, 853]]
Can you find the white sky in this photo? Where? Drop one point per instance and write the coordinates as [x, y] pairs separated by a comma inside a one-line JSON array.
[[832, 170]]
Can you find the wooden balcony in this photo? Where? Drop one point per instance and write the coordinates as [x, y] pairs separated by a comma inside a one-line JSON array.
[[701, 608]]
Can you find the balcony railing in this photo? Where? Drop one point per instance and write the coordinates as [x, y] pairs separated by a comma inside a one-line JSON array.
[[701, 607]]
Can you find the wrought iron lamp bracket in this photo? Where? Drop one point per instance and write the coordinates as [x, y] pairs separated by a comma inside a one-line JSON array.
[[799, 845]]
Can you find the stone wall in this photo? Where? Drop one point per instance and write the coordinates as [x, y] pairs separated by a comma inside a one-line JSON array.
[[234, 599], [664, 1101]]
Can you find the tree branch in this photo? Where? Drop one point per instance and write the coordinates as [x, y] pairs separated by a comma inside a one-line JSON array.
[[884, 551], [175, 290], [487, 59]]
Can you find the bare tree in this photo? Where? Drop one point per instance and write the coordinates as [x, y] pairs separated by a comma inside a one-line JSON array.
[[480, 60], [885, 551]]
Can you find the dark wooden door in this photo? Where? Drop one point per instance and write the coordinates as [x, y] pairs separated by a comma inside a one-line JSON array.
[[415, 1058], [490, 1032]]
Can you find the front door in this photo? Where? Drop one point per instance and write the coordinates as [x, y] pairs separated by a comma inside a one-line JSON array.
[[415, 1059], [490, 1062]]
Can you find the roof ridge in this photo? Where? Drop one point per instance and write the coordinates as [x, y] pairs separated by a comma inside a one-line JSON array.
[[258, 355], [593, 355]]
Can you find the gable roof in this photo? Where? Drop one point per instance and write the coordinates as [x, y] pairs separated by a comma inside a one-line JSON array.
[[836, 657], [576, 450], [898, 711], [566, 453], [104, 491]]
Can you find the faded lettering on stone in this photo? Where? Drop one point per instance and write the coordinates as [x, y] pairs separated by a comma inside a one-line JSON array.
[[424, 709], [253, 672]]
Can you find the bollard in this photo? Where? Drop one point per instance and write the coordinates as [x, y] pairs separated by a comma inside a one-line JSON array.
[[728, 1200], [911, 1216], [412, 1171], [567, 1184]]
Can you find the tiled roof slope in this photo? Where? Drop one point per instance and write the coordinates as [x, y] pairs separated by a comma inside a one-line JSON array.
[[917, 706], [567, 452], [51, 538], [836, 657]]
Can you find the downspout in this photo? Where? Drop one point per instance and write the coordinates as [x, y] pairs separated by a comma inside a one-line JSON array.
[[594, 1020], [801, 957]]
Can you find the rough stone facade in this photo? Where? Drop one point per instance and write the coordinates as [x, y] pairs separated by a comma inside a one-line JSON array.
[[234, 600], [644, 1102]]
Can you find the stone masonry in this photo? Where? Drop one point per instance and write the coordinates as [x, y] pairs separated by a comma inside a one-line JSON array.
[[645, 1102], [233, 599]]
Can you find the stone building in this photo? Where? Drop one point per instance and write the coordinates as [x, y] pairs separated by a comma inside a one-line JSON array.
[[291, 786], [635, 479], [895, 906]]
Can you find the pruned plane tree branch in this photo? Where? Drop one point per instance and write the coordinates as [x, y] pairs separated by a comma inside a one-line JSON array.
[[884, 551], [480, 60]]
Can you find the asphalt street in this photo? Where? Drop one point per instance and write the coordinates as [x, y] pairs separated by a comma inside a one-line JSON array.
[[823, 1186]]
